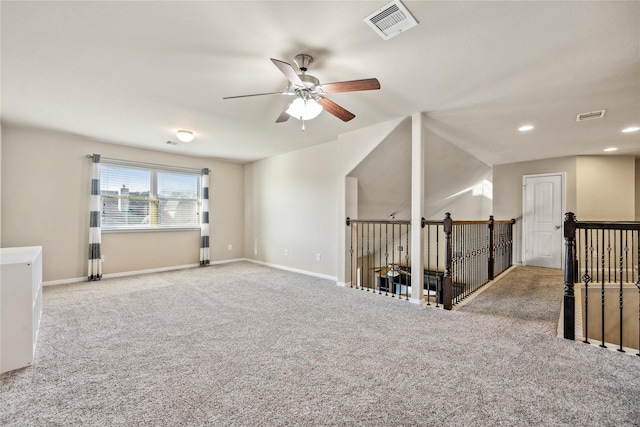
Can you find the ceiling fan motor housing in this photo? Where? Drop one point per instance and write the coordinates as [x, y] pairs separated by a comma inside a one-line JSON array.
[[303, 61], [309, 81]]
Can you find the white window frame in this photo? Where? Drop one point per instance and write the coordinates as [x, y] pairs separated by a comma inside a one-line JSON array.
[[154, 200]]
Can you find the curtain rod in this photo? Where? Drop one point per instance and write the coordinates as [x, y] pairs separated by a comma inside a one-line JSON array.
[[152, 165]]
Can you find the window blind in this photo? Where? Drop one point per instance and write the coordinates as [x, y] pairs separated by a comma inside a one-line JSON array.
[[143, 196]]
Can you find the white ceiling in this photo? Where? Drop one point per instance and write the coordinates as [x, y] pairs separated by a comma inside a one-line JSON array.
[[134, 72]]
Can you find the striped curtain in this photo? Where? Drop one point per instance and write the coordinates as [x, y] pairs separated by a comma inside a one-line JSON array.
[[95, 238], [205, 256]]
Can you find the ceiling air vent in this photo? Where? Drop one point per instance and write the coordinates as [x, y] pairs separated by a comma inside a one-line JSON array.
[[391, 20], [590, 116]]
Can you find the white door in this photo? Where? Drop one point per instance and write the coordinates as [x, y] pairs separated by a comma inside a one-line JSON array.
[[542, 220]]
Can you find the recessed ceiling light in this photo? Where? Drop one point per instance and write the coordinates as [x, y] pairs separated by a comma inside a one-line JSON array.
[[185, 135], [525, 128], [610, 149], [631, 129]]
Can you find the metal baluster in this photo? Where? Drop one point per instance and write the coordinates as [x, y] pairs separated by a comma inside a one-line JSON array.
[[463, 265], [407, 258], [469, 254], [586, 279], [468, 242], [473, 235], [602, 293], [380, 263], [609, 256], [386, 257], [361, 258], [357, 233], [428, 240], [351, 251], [368, 254], [373, 259], [637, 233], [626, 254], [393, 260], [615, 255], [455, 236], [597, 256], [457, 265], [475, 256], [621, 266], [438, 284]]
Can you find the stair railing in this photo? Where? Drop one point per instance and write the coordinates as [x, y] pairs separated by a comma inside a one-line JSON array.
[[459, 256], [602, 256]]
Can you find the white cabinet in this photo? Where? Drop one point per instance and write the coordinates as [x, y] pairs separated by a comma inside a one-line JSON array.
[[20, 305]]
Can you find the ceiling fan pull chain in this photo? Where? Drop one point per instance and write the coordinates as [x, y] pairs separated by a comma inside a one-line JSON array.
[[302, 124]]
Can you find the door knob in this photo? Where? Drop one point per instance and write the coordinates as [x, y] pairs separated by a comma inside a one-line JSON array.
[[558, 227]]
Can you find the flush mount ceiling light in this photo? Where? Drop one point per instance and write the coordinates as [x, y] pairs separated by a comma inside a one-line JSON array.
[[631, 129], [185, 135], [525, 128], [610, 149]]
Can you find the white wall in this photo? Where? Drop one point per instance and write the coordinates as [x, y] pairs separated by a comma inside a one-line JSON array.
[[451, 174], [450, 177], [45, 200], [507, 191], [297, 202], [290, 204], [606, 188], [0, 183], [637, 189], [598, 188]]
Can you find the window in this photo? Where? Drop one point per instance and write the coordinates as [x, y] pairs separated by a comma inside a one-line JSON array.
[[139, 196]]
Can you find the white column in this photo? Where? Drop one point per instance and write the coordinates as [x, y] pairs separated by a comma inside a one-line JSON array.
[[417, 205]]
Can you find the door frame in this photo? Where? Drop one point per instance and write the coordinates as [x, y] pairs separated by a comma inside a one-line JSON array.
[[563, 201]]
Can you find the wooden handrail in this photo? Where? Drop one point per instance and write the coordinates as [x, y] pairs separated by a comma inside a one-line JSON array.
[[378, 221], [608, 225]]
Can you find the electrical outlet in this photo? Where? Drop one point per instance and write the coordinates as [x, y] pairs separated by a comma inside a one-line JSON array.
[[286, 252], [318, 257], [229, 247], [101, 258]]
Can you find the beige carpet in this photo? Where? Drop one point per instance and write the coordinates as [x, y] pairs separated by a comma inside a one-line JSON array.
[[525, 294], [246, 345]]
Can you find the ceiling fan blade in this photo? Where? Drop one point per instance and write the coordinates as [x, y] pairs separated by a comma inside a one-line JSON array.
[[288, 71], [284, 116], [258, 94], [351, 86], [335, 109]]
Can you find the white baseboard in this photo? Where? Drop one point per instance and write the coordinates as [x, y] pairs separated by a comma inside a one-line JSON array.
[[295, 270], [64, 281], [136, 272]]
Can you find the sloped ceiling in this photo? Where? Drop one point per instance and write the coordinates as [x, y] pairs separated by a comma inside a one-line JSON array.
[[384, 177], [134, 72]]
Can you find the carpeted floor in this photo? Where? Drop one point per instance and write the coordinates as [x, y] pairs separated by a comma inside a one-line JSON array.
[[243, 344], [525, 294]]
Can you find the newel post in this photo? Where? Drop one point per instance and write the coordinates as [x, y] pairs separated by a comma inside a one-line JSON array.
[[569, 277], [447, 285], [491, 261]]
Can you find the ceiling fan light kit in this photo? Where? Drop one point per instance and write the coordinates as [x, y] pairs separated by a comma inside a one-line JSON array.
[[304, 109], [309, 94]]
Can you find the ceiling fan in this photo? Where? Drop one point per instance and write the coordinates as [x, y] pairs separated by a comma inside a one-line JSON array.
[[309, 95]]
